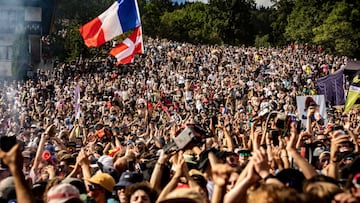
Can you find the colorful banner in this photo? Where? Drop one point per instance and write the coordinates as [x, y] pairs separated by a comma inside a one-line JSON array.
[[332, 88], [354, 93]]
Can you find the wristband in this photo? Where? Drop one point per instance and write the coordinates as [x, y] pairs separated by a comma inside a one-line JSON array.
[[161, 164]]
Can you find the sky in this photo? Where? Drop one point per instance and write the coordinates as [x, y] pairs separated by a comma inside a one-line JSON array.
[[258, 2], [265, 3]]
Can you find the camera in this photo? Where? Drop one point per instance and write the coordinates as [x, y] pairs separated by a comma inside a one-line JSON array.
[[274, 135], [187, 138], [6, 143], [283, 122]]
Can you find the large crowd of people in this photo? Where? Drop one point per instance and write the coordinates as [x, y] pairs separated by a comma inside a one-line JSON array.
[[183, 123]]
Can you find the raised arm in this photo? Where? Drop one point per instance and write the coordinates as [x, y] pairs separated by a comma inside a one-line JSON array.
[[155, 180], [338, 138], [180, 162], [220, 175], [14, 160], [238, 193], [306, 168], [49, 132]]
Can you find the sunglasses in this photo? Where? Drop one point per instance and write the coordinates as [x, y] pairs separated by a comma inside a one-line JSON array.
[[349, 158], [246, 154], [93, 187]]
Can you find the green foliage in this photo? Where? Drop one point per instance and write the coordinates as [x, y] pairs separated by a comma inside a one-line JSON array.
[[191, 23], [262, 41], [280, 12], [234, 20], [81, 10], [334, 24], [301, 21], [151, 13], [337, 31], [73, 44]]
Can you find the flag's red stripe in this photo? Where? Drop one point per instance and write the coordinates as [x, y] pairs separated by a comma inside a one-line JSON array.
[[92, 33], [120, 48]]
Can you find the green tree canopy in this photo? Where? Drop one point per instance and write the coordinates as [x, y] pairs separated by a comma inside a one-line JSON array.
[[191, 23], [337, 32], [335, 24]]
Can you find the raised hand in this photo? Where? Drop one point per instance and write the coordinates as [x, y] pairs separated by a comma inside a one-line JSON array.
[[338, 138], [220, 172], [179, 162], [13, 158], [51, 130], [260, 162], [293, 138], [163, 157], [82, 158], [252, 176]]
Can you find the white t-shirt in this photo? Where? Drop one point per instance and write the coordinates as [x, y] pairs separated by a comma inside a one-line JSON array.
[[188, 95]]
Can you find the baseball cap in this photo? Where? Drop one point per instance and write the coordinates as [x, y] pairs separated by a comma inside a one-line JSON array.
[[203, 158], [105, 161], [62, 193], [129, 177], [78, 183], [28, 154], [104, 180], [105, 164], [243, 152], [318, 150], [7, 188], [67, 120]]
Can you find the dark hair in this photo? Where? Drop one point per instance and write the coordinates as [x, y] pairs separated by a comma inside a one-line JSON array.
[[145, 186], [108, 194]]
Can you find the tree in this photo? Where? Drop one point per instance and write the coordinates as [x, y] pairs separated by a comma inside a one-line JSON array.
[[262, 41], [151, 13], [233, 19], [337, 31], [81, 10], [69, 16], [73, 42], [192, 23], [280, 11], [302, 20]]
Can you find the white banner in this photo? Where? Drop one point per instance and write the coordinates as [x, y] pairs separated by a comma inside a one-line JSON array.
[[320, 108]]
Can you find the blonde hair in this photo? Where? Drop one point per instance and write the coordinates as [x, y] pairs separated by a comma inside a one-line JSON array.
[[323, 190], [273, 193]]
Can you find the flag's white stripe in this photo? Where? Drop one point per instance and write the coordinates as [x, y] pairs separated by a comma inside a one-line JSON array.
[[110, 22], [127, 52]]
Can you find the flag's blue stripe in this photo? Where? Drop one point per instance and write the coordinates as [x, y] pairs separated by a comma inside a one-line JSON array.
[[128, 15]]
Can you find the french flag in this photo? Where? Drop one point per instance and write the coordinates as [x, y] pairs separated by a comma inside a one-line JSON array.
[[223, 110], [126, 50], [121, 16]]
